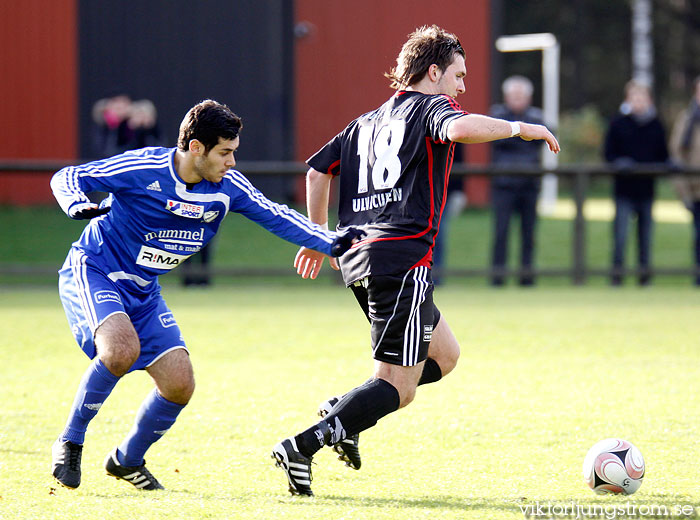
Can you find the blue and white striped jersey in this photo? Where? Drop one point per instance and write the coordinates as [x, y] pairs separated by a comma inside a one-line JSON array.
[[156, 221]]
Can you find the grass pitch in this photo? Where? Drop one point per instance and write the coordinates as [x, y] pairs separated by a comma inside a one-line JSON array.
[[544, 374]]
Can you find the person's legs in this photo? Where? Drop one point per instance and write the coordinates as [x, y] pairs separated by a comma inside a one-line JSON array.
[[528, 219], [402, 321], [502, 202], [696, 239], [643, 209], [164, 356], [443, 354], [117, 347], [174, 379], [620, 226]]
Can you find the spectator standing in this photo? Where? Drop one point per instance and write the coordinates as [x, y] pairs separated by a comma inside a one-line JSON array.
[[112, 134], [143, 125], [685, 150], [515, 194], [635, 136]]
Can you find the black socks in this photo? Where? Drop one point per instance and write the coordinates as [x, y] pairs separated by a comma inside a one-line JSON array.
[[360, 409], [431, 372]]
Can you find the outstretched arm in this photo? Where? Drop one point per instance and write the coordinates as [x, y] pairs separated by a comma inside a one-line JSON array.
[[308, 262], [70, 189], [476, 128]]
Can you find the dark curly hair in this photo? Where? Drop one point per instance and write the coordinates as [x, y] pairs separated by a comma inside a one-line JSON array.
[[206, 122]]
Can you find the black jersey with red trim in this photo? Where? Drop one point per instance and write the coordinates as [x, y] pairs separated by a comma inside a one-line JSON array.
[[393, 164]]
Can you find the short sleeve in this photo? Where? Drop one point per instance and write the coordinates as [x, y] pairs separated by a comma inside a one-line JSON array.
[[440, 112], [327, 159]]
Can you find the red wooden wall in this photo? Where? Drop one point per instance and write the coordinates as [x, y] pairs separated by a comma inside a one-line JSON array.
[[38, 89], [348, 46]]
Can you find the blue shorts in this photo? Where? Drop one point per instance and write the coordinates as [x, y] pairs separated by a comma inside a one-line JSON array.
[[89, 297]]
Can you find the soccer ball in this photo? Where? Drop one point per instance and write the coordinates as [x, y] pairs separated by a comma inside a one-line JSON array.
[[613, 466]]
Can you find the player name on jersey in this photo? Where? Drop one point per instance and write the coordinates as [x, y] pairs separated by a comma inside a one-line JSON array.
[[378, 200]]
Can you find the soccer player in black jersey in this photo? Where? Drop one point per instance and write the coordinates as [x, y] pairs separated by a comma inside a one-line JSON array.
[[393, 165]]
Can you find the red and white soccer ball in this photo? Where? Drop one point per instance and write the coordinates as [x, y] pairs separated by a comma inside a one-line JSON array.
[[614, 466]]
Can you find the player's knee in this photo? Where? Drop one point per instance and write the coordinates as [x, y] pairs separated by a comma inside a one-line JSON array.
[[119, 358], [181, 391], [118, 362], [450, 358], [444, 348], [178, 387], [118, 345]]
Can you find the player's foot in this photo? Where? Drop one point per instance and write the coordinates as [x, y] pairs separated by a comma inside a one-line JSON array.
[[139, 476], [348, 449], [295, 465], [65, 456]]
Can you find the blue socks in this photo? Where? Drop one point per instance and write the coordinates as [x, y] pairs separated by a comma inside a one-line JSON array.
[[95, 386], [153, 419]]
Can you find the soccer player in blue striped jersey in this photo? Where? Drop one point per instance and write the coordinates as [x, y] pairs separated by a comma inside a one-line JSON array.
[[164, 205]]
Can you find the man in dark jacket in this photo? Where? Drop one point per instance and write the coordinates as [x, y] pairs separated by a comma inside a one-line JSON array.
[[635, 136], [515, 194]]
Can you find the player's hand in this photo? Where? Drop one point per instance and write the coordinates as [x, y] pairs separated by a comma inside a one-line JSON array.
[[345, 240], [530, 132], [88, 211], [308, 263]]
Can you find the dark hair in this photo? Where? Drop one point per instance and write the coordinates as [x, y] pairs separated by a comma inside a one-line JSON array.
[[425, 46], [208, 121]]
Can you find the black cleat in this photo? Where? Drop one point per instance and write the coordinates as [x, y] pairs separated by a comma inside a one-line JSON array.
[[295, 465], [66, 457], [348, 449], [138, 476]]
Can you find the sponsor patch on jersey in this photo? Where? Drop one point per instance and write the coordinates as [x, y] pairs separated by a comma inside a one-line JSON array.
[[159, 259], [210, 216], [167, 319], [107, 296], [427, 332], [184, 209]]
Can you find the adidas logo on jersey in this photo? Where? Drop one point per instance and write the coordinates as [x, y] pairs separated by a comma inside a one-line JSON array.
[[154, 186]]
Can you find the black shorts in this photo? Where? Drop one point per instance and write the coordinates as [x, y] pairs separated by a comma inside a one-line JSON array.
[[401, 311]]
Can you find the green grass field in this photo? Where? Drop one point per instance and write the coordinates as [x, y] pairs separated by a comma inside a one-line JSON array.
[[544, 374]]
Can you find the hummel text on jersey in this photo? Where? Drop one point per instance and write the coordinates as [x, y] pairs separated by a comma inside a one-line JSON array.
[[179, 236], [377, 200], [157, 259]]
